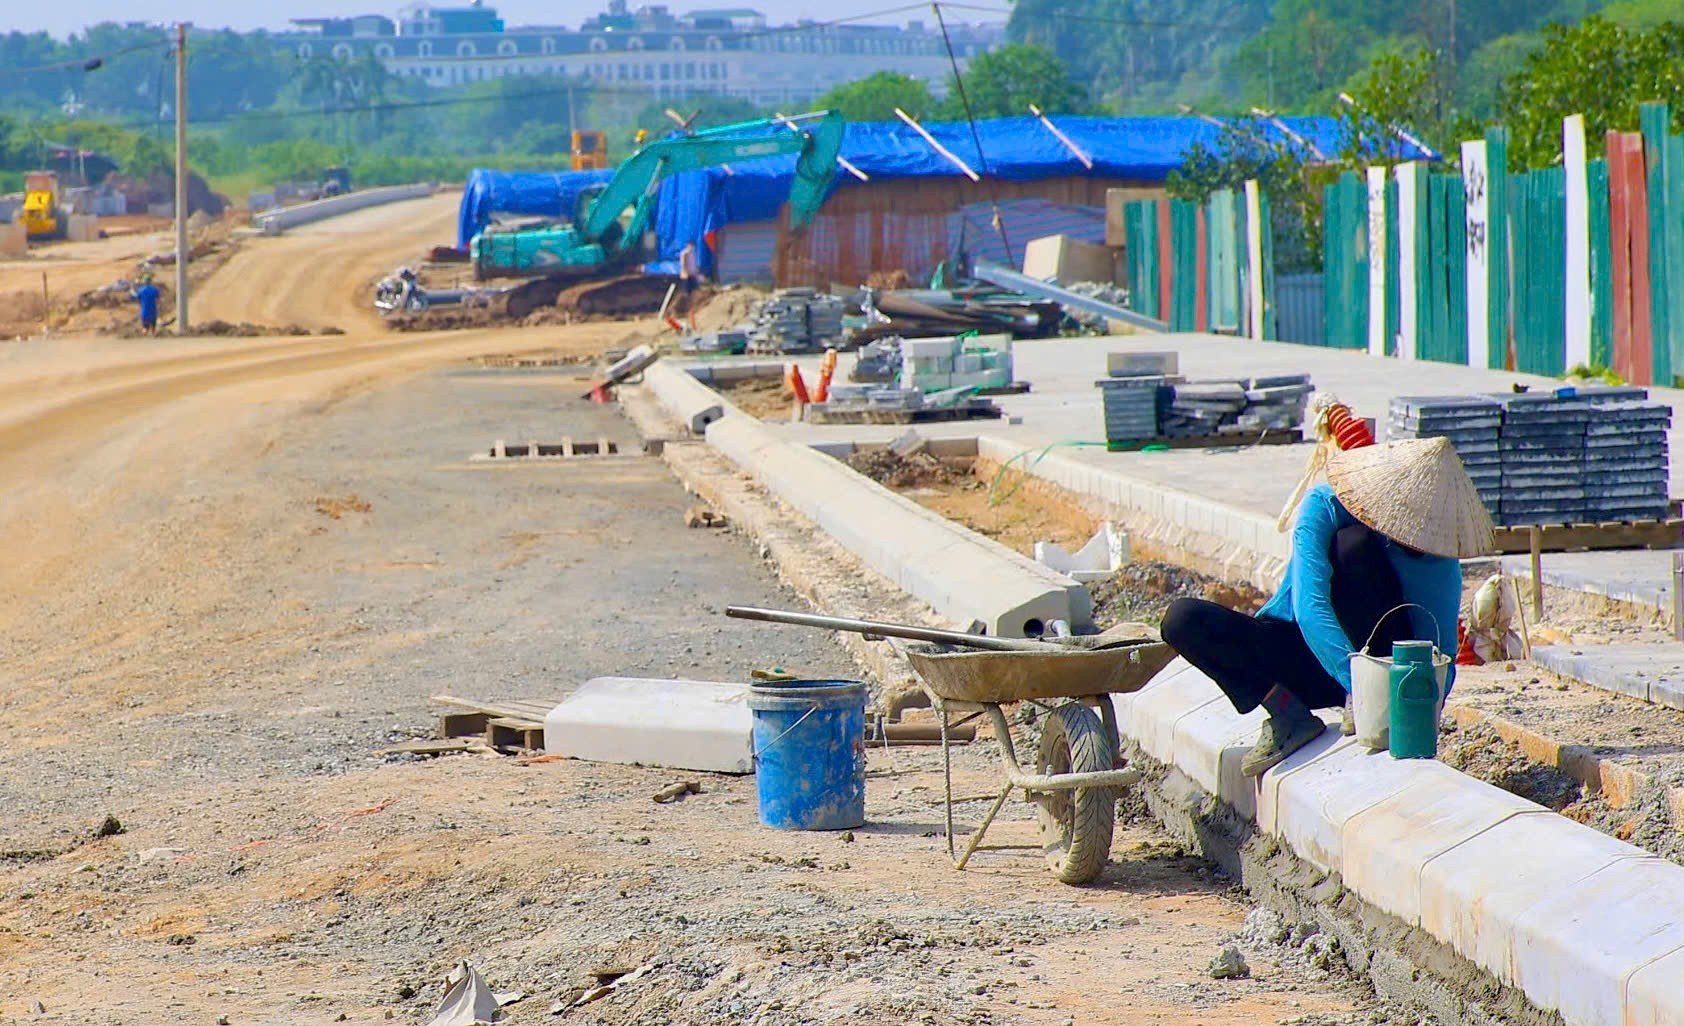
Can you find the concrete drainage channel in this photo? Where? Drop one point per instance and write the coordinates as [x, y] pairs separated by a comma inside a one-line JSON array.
[[565, 449], [1454, 898]]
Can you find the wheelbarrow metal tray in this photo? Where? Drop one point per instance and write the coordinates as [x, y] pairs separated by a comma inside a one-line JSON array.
[[987, 677]]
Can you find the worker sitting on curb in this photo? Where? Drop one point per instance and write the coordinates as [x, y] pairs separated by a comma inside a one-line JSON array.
[[146, 295], [1385, 532]]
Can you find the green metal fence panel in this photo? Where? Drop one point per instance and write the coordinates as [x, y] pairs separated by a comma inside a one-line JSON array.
[[1654, 118], [1537, 229], [1221, 216], [1269, 328], [1394, 289], [1184, 255], [1455, 229], [1501, 309], [1601, 267], [1141, 226], [1345, 263]]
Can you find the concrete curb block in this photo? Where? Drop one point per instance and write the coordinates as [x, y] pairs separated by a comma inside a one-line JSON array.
[[693, 403], [1580, 923], [277, 221], [961, 574], [1207, 535]]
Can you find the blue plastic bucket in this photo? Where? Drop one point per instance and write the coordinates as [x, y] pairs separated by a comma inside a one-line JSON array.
[[809, 753]]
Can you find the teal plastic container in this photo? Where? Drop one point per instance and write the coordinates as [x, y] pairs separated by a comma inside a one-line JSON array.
[[809, 753], [1414, 700]]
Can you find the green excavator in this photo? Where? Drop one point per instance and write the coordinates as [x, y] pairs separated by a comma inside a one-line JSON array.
[[591, 257]]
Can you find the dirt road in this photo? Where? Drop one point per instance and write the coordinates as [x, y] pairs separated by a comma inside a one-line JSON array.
[[235, 569], [321, 275]]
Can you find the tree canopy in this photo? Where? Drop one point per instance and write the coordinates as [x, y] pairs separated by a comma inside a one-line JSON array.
[[1004, 82], [875, 97]]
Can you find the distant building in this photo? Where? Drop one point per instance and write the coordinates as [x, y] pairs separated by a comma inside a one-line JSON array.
[[729, 51]]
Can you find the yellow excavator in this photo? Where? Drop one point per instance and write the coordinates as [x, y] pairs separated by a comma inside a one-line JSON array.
[[41, 216]]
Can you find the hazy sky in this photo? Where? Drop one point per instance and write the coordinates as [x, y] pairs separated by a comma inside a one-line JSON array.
[[64, 18]]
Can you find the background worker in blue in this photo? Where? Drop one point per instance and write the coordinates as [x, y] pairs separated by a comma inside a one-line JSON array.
[[1386, 530], [146, 295]]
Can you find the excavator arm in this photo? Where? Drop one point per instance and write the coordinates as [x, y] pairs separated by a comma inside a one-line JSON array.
[[817, 141]]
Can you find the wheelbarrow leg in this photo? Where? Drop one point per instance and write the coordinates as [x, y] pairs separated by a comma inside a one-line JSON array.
[[976, 838], [947, 777]]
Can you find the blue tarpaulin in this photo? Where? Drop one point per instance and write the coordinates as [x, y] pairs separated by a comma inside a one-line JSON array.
[[693, 204], [532, 194]]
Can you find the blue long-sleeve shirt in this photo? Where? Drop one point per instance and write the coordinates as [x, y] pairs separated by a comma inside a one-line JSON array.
[[1306, 594]]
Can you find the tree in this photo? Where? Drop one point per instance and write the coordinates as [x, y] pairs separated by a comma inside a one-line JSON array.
[[875, 97], [1251, 147], [1003, 83], [1596, 68], [1407, 91]]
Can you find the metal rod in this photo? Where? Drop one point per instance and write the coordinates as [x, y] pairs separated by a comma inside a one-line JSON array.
[[181, 324], [891, 630], [1274, 119], [1086, 160], [1007, 278], [988, 820], [938, 147]]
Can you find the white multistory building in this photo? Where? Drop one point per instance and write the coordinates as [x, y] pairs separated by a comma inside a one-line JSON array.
[[729, 51]]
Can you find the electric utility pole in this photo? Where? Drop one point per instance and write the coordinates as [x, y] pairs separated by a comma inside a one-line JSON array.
[[181, 178]]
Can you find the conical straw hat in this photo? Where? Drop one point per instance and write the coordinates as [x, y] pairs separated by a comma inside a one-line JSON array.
[[1414, 492]]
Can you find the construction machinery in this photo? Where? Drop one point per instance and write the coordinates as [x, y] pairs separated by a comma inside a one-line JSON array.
[[590, 149], [592, 256], [41, 215]]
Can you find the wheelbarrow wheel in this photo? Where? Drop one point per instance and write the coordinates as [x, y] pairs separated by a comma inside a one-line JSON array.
[[1075, 825]]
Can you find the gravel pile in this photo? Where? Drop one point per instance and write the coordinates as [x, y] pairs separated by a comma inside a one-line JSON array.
[[1143, 590]]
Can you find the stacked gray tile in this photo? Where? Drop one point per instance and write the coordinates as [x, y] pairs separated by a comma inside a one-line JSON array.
[[1471, 422], [1198, 408], [1626, 461], [1585, 455], [1131, 406], [795, 320], [1275, 403]]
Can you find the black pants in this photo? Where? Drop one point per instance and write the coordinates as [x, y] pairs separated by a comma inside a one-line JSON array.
[[1248, 655]]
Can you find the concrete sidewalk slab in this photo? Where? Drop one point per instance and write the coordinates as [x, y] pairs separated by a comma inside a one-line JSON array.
[[1649, 673]]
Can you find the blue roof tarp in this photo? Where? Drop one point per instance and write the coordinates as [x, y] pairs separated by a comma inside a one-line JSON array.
[[532, 194], [693, 204]]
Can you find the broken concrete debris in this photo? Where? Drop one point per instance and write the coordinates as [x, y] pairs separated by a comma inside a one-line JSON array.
[[700, 516], [1103, 554], [468, 1000], [1229, 964], [676, 792]]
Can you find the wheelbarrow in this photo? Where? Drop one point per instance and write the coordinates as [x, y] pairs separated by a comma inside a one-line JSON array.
[[1077, 771]]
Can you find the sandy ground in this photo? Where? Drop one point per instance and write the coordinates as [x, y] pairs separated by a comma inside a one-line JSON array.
[[322, 275], [237, 568]]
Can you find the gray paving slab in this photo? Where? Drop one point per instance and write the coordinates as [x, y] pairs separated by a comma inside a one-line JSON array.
[[1652, 673]]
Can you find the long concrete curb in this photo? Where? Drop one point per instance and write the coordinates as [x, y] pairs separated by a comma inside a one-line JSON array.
[[1208, 535], [277, 221], [962, 575], [1582, 924]]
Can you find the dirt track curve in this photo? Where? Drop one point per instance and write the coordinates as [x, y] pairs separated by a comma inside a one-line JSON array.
[[319, 275]]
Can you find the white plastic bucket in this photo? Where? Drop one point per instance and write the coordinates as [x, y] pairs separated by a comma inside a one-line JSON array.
[[1371, 695], [1371, 685]]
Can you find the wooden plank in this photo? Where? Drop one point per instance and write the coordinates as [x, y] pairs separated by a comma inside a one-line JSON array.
[[1653, 534], [513, 708], [462, 724], [434, 746]]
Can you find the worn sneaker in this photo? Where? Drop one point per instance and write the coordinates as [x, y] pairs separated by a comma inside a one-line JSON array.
[[1348, 719], [1279, 740]]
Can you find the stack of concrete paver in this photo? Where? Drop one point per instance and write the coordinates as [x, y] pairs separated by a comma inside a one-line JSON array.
[[795, 320], [1144, 405], [1131, 406], [1470, 422], [1574, 455]]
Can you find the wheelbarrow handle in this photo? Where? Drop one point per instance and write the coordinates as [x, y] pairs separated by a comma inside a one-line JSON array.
[[873, 628]]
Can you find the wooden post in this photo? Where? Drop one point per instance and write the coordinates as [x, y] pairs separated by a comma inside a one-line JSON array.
[[1678, 595], [1537, 539], [46, 306]]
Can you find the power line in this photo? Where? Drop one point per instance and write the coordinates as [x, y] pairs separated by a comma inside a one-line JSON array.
[[92, 63], [1098, 19]]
